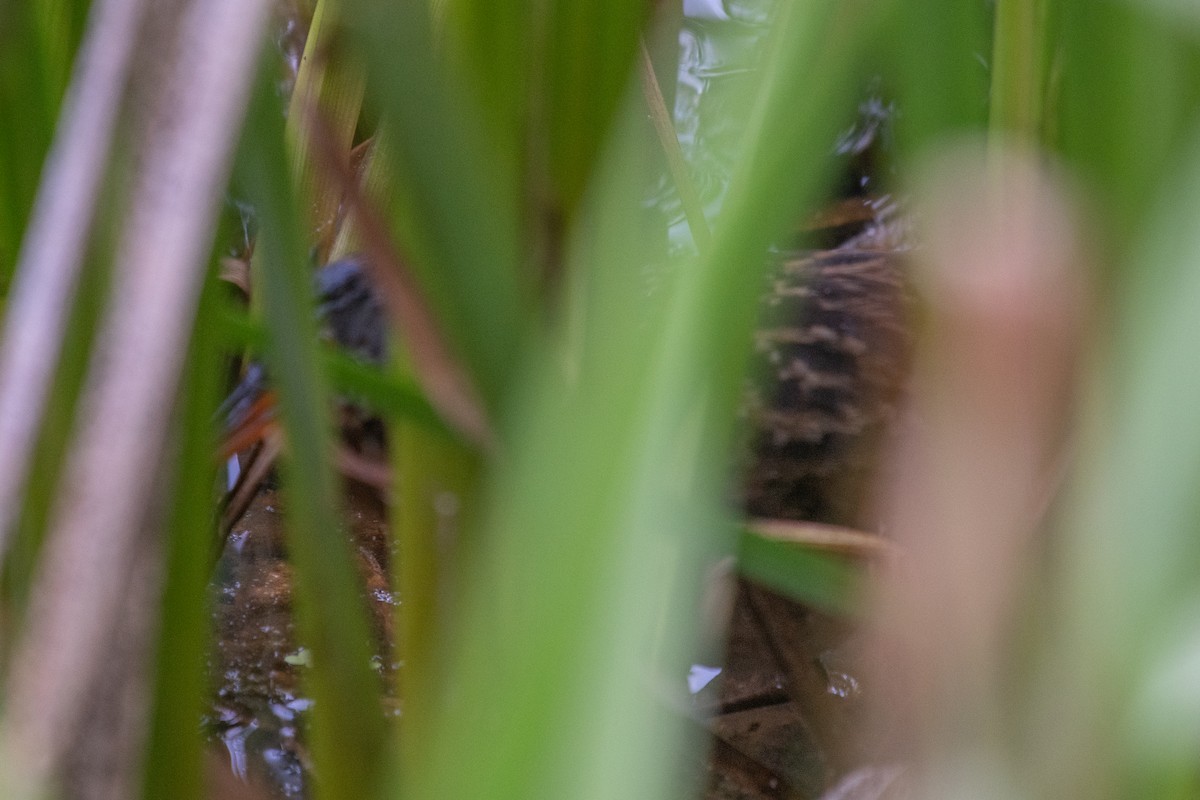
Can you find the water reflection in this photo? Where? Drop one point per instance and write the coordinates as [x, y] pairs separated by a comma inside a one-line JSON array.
[[720, 45], [700, 676], [260, 709]]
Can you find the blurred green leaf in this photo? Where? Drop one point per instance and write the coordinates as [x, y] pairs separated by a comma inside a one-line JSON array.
[[1127, 561], [347, 730], [329, 83], [58, 422], [1020, 61], [1130, 94], [436, 484], [590, 50], [509, 145], [612, 494], [38, 39], [498, 47], [940, 54], [819, 579], [450, 194]]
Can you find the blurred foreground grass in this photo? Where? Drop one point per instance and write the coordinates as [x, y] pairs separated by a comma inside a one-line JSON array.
[[584, 424]]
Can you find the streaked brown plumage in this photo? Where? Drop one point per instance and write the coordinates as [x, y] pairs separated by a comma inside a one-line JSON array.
[[831, 356]]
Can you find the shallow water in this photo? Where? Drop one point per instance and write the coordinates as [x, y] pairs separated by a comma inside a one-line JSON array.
[[259, 707]]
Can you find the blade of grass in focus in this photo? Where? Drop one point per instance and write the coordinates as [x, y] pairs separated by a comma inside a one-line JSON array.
[[348, 727], [174, 756]]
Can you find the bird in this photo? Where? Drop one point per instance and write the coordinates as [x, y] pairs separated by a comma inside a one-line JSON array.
[[830, 355], [352, 317]]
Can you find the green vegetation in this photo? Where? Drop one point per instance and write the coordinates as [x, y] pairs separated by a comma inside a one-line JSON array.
[[582, 421]]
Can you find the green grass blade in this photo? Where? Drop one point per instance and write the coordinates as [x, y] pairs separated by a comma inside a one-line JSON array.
[[612, 493], [939, 52], [348, 729], [1135, 73], [819, 579], [329, 83], [451, 195], [436, 484], [589, 62], [174, 756], [1125, 576], [58, 421], [38, 39], [1018, 94], [497, 46]]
